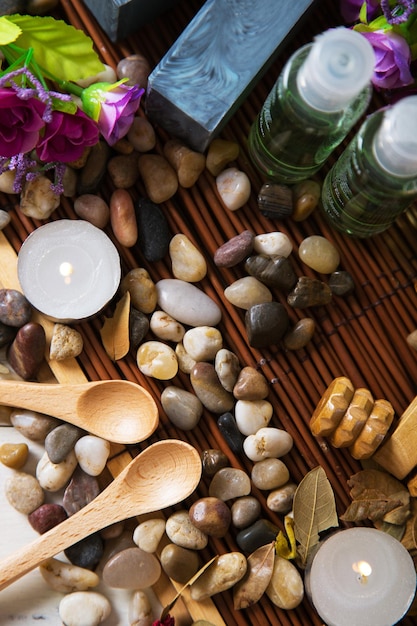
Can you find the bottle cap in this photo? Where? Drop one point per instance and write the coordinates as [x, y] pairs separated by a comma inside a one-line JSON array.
[[338, 67], [395, 143]]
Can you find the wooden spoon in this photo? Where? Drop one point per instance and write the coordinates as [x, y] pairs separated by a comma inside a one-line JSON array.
[[163, 474], [117, 410]]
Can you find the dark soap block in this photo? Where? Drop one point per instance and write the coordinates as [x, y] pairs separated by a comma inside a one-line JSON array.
[[119, 18], [216, 61]]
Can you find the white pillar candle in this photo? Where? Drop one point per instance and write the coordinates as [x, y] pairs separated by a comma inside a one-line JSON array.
[[68, 269], [361, 576]]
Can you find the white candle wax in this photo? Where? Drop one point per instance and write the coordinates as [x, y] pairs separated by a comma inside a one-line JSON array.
[[68, 269], [361, 577]]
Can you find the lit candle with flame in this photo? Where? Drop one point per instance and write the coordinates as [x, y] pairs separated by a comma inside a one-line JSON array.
[[68, 269], [361, 577]]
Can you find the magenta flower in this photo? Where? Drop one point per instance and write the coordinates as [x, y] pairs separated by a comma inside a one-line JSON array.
[[350, 9], [20, 123], [66, 137], [113, 107], [392, 59]]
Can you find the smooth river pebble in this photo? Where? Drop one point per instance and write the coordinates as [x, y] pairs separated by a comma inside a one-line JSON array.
[[267, 442], [234, 188], [211, 515], [225, 572], [140, 609], [229, 483], [269, 474], [24, 492], [187, 303], [54, 476], [67, 578], [132, 568], [251, 415], [92, 453], [251, 384], [266, 323], [148, 534], [181, 531], [182, 407], [319, 253], [227, 366], [165, 327], [286, 588], [202, 342], [188, 263], [179, 563], [234, 250], [209, 390], [88, 608], [275, 243], [157, 359], [60, 441], [246, 292]]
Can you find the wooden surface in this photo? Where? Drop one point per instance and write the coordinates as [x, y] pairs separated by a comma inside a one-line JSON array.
[[363, 336]]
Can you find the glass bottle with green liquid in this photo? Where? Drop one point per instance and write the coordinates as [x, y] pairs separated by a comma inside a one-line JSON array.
[[375, 178], [323, 90]]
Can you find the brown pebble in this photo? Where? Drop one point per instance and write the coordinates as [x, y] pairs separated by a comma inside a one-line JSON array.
[[211, 515], [300, 334], [135, 68], [93, 209], [212, 461], [15, 310], [306, 195], [250, 385], [159, 177], [123, 170], [179, 563], [14, 455], [26, 352], [123, 218], [186, 162], [220, 153], [141, 134], [95, 168]]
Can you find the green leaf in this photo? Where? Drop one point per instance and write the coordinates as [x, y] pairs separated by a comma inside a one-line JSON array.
[[9, 32], [314, 510], [62, 50]]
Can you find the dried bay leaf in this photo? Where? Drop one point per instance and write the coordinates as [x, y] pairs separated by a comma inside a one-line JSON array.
[[115, 330], [376, 495], [409, 539], [314, 510], [252, 586]]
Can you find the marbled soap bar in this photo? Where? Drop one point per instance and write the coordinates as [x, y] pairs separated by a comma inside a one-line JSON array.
[[216, 61], [119, 18]]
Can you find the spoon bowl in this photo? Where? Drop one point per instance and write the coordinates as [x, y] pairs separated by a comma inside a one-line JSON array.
[[117, 410], [163, 474]]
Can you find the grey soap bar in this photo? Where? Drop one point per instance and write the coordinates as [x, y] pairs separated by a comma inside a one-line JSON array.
[[216, 61], [119, 18]]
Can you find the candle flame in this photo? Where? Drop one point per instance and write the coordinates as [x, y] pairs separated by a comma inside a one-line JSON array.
[[66, 270], [363, 569]]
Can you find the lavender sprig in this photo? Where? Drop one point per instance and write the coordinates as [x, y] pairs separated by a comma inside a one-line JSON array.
[[400, 13]]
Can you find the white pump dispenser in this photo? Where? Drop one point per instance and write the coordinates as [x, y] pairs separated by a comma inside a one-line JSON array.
[[340, 64], [395, 143]]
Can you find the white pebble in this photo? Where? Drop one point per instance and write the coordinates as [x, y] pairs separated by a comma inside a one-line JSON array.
[[202, 342], [166, 327], [66, 577], [187, 303], [92, 453], [234, 188], [268, 442], [158, 360], [251, 415], [140, 609], [273, 243], [54, 476], [185, 361], [84, 608], [148, 534]]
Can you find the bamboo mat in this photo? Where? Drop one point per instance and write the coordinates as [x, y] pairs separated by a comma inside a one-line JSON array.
[[362, 336]]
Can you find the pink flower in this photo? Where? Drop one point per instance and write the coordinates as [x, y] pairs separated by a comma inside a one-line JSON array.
[[392, 59], [66, 137], [20, 123], [113, 107]]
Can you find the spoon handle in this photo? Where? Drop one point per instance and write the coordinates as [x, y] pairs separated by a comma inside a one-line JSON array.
[[40, 397], [76, 527]]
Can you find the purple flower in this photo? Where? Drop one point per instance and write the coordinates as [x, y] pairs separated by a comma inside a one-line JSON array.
[[66, 137], [20, 123], [113, 107], [392, 59], [350, 9]]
